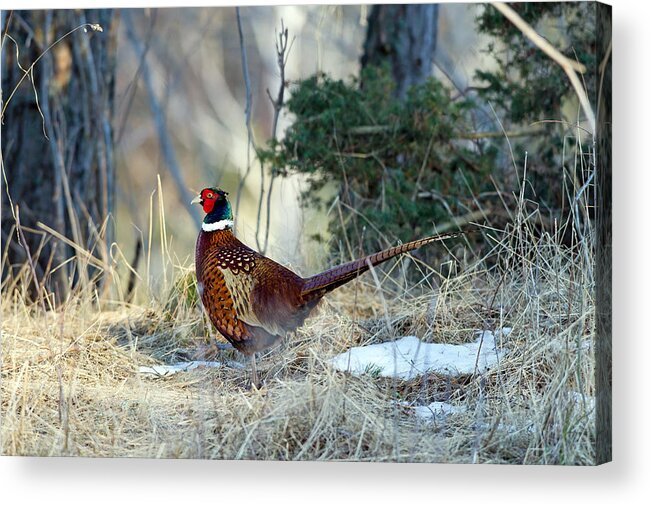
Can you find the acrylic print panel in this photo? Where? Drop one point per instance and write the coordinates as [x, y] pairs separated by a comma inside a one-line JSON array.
[[400, 252]]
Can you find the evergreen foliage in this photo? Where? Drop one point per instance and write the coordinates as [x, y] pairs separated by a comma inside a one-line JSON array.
[[402, 166], [407, 167], [527, 88]]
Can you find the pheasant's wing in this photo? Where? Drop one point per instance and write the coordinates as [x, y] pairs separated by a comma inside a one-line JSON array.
[[264, 294], [219, 303], [245, 295], [276, 301]]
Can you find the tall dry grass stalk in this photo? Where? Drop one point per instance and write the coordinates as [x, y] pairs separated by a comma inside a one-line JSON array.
[[70, 381]]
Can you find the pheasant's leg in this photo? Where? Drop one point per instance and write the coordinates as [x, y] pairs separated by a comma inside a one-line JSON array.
[[254, 372], [224, 346]]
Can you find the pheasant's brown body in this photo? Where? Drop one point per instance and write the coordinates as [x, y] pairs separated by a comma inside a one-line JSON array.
[[252, 300]]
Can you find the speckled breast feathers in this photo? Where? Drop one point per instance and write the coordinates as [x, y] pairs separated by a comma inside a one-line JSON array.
[[250, 299]]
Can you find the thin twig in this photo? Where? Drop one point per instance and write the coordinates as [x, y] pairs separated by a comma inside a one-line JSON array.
[[422, 168], [93, 26], [56, 151], [379, 129], [247, 111], [104, 143], [5, 27], [166, 144], [282, 53], [602, 73], [570, 67], [32, 266]]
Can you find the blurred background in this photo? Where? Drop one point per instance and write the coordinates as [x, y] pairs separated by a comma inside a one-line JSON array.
[[337, 131], [94, 116], [200, 86]]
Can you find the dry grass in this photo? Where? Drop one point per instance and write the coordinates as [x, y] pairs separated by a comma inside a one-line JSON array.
[[70, 381]]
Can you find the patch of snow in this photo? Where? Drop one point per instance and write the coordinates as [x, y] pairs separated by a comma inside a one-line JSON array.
[[167, 370], [436, 410], [582, 399], [408, 357], [583, 344]]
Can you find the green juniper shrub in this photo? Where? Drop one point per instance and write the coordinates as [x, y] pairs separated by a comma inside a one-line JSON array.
[[398, 167], [528, 88]]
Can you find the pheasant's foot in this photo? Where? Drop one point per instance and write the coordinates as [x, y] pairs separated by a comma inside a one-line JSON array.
[[211, 351]]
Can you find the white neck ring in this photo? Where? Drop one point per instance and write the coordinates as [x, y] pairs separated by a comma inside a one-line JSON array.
[[219, 225]]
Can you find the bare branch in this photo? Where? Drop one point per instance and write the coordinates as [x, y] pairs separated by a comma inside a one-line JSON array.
[[282, 53], [23, 242], [92, 26], [167, 147], [380, 129], [569, 66], [56, 151], [247, 111]]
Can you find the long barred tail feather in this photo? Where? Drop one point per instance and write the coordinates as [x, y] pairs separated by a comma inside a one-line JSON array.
[[318, 285]]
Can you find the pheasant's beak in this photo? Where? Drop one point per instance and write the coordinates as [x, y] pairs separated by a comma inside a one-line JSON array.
[[197, 199]]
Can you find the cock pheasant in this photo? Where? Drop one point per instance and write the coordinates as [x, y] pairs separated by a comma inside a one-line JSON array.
[[252, 300]]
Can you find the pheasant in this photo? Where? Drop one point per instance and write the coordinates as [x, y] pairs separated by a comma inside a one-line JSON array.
[[252, 300]]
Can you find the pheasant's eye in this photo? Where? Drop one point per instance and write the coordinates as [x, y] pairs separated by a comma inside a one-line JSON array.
[[209, 195]]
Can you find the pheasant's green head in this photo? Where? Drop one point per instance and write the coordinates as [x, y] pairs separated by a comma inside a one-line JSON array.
[[219, 215]]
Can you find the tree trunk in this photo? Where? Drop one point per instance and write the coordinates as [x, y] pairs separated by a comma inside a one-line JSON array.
[[404, 36], [57, 140], [604, 249]]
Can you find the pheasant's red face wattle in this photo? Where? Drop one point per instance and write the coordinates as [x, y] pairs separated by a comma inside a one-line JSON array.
[[208, 199]]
